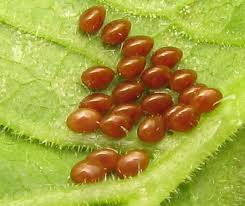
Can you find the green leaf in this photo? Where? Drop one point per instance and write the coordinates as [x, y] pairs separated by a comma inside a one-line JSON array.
[[219, 22], [220, 182], [43, 55], [27, 169]]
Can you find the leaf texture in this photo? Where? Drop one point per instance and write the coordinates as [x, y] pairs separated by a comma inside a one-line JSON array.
[[41, 59]]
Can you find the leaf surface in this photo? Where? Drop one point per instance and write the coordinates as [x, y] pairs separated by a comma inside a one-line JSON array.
[[43, 55]]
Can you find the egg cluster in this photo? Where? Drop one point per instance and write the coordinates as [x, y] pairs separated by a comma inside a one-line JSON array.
[[135, 101], [101, 163]]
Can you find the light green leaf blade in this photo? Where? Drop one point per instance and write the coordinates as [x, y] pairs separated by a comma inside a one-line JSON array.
[[27, 168], [219, 182], [40, 86], [219, 22]]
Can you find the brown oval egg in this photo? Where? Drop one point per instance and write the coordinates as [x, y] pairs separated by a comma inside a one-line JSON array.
[[116, 31], [157, 103], [182, 118], [133, 111], [182, 79], [108, 158], [167, 56], [92, 19], [97, 77], [127, 92], [131, 164], [156, 77], [116, 126], [131, 67], [206, 100], [87, 172], [137, 46], [84, 120], [187, 95], [152, 129], [171, 111], [97, 101]]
